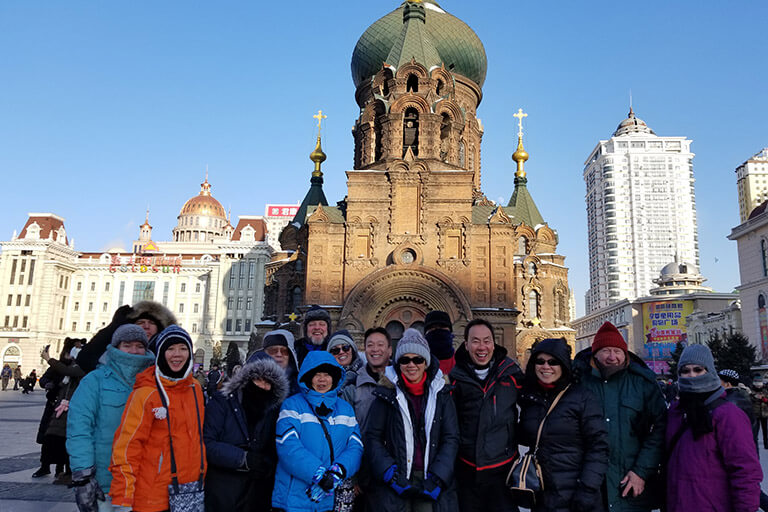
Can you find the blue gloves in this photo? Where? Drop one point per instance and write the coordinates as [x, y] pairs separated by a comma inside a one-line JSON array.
[[432, 487], [325, 481], [398, 483]]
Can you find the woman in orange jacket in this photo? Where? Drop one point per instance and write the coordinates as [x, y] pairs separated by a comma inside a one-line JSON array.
[[165, 409]]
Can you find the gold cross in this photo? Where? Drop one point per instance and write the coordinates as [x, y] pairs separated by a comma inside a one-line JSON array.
[[292, 317], [520, 115], [319, 116]]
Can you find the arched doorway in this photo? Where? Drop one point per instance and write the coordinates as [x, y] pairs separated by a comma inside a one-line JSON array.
[[12, 356]]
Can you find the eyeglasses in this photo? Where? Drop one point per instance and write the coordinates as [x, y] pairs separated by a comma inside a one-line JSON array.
[[551, 362], [273, 351], [338, 349], [687, 370], [415, 360]]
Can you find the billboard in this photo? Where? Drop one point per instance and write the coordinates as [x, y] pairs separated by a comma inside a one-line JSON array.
[[282, 210], [663, 327]]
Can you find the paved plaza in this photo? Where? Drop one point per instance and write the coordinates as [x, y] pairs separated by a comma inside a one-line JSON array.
[[20, 457]]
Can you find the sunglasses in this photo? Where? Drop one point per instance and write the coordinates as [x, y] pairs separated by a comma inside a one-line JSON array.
[[276, 350], [338, 349], [551, 362], [415, 360], [692, 369]]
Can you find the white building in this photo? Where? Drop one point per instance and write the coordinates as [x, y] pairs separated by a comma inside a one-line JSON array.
[[277, 216], [641, 211], [211, 278], [752, 244], [752, 183]]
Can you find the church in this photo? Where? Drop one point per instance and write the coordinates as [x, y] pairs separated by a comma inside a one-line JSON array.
[[415, 232]]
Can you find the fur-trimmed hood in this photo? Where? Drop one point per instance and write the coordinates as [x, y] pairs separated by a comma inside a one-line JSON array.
[[154, 309], [262, 368]]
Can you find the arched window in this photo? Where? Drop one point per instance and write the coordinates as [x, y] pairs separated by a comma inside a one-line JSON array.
[[395, 330], [445, 135], [411, 131], [412, 85], [439, 88], [533, 304], [295, 298], [378, 118], [522, 245], [531, 269]]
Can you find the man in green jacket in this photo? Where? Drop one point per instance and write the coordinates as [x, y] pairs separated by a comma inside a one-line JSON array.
[[636, 417]]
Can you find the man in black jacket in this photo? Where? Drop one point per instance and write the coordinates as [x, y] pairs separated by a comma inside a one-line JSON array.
[[486, 383]]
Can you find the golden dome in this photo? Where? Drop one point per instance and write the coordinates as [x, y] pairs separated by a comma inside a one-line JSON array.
[[204, 204]]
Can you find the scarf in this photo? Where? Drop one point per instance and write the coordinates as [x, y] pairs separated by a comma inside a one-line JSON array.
[[415, 388]]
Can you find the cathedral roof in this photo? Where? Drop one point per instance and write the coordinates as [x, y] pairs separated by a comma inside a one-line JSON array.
[[632, 124], [435, 38], [521, 205]]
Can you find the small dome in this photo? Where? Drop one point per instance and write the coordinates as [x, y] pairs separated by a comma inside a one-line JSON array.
[[204, 204], [683, 268], [456, 43], [632, 124]]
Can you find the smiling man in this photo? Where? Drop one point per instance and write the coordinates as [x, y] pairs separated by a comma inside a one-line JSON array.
[[317, 328], [486, 383]]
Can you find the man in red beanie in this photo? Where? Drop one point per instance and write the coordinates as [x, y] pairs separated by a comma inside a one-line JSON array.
[[635, 414]]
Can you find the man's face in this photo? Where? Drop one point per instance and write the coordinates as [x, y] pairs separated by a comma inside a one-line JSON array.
[[317, 330], [611, 356], [377, 350], [150, 327], [480, 345], [280, 354], [132, 347]]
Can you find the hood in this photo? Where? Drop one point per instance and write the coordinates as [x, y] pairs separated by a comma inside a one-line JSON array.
[[557, 348], [157, 311], [311, 362], [291, 341], [260, 368], [126, 365]]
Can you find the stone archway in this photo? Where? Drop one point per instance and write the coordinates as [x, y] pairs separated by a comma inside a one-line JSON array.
[[404, 294]]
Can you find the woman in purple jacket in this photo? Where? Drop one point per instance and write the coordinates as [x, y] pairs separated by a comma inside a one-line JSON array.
[[712, 460]]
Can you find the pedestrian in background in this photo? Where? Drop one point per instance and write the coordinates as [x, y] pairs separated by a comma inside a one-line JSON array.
[[712, 460], [239, 433], [573, 447], [17, 376], [95, 412], [6, 375], [161, 428], [760, 410]]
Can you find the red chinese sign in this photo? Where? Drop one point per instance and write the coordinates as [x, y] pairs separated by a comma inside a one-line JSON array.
[[281, 210], [145, 264]]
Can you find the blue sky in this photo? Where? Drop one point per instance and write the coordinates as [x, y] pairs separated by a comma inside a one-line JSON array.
[[108, 107]]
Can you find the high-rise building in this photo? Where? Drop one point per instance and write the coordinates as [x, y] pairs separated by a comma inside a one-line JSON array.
[[277, 216], [641, 211], [752, 183]]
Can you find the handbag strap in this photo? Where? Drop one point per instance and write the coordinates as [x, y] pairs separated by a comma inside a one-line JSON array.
[[551, 407], [327, 435], [174, 472]]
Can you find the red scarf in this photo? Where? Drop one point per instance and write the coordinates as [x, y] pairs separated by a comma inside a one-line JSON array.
[[415, 388], [547, 386]]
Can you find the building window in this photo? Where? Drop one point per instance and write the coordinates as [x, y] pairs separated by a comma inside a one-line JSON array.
[[93, 286], [533, 304], [238, 325], [61, 323], [15, 321], [232, 275], [77, 306], [247, 325], [143, 290], [79, 285], [18, 300], [229, 325], [27, 300], [106, 286], [194, 327], [181, 307], [88, 326], [7, 321], [197, 287], [239, 303], [241, 280], [10, 299], [166, 286], [90, 307], [764, 251], [104, 307], [121, 296], [74, 326], [251, 274], [13, 270], [195, 308], [24, 322], [230, 303], [183, 287], [249, 303]]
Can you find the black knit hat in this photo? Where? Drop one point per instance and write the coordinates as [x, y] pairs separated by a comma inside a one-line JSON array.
[[437, 319]]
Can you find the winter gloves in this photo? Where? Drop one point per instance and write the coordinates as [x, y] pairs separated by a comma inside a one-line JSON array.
[[433, 486], [87, 490], [325, 481], [400, 484]]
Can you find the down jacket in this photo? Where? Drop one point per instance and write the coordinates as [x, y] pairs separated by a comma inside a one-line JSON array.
[[389, 439], [141, 461], [720, 470], [636, 418], [230, 486], [302, 446], [487, 413], [573, 449], [96, 409]]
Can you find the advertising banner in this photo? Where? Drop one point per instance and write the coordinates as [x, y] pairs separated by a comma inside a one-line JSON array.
[[663, 327]]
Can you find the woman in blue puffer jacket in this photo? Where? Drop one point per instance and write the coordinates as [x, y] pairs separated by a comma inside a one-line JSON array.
[[318, 439], [95, 412]]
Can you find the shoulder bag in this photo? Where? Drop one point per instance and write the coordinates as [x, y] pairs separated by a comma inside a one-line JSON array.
[[525, 481], [186, 497]]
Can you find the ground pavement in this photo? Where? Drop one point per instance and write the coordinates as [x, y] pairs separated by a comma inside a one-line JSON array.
[[20, 457]]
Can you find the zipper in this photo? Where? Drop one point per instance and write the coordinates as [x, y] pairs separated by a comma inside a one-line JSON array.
[[494, 405], [160, 464]]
